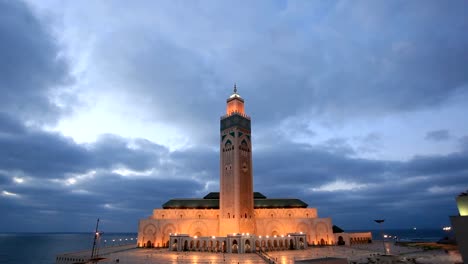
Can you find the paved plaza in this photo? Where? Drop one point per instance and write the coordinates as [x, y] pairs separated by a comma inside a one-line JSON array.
[[355, 254]]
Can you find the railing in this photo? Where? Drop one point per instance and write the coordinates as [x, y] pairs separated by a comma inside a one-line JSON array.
[[235, 113], [265, 257]]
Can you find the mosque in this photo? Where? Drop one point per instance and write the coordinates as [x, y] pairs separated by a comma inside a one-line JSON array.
[[237, 219]]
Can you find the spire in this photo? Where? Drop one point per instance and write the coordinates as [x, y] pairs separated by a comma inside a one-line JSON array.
[[235, 88]]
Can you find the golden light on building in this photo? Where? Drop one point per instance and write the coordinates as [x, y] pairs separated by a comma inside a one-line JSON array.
[[234, 216]]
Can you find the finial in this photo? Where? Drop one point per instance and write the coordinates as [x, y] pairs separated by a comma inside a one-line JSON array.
[[235, 88]]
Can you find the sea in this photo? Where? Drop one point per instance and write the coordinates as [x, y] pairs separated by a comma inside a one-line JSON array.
[[42, 248]]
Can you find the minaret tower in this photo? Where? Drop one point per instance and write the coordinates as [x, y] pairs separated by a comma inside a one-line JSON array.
[[236, 181]]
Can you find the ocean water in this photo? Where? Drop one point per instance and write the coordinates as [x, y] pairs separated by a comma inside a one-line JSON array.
[[42, 248]]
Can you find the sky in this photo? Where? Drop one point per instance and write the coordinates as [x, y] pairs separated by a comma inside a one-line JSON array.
[[108, 108]]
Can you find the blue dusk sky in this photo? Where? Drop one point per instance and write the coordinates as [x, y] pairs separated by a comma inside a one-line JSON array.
[[110, 108]]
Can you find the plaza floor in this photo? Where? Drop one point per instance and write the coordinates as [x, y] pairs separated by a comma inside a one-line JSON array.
[[355, 254]]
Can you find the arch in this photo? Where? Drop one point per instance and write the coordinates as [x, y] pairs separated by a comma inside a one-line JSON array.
[[149, 244], [291, 244], [235, 247], [257, 245], [149, 230], [192, 245], [341, 241], [174, 245], [167, 230], [198, 245], [302, 227], [247, 247], [275, 244], [301, 243], [322, 242], [227, 144], [198, 228], [274, 227]]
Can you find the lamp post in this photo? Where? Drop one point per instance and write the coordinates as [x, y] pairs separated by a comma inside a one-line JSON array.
[[380, 221]]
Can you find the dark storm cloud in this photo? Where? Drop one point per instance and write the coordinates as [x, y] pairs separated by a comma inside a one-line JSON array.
[[50, 155], [111, 150], [438, 135], [45, 160], [36, 152], [31, 67], [384, 188], [338, 60]]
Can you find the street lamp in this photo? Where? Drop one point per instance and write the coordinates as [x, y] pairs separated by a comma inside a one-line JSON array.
[[380, 221]]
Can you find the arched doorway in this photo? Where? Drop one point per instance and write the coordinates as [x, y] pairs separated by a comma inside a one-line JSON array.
[[257, 245], [301, 243], [291, 244], [341, 241], [247, 246], [235, 247], [148, 244], [174, 245], [186, 245], [322, 242], [192, 245]]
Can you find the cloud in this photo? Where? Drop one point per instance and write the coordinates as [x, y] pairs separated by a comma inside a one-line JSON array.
[[296, 63], [438, 135], [83, 181], [346, 61], [32, 70]]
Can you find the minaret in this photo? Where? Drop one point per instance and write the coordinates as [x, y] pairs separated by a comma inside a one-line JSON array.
[[236, 181]]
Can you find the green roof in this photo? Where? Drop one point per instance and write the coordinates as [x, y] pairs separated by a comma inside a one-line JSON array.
[[191, 204], [211, 201], [215, 195]]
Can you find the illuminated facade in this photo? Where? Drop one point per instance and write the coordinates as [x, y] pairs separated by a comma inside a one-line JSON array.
[[236, 219]]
